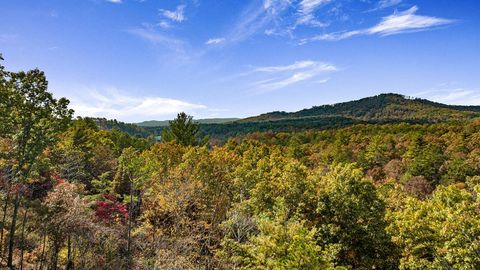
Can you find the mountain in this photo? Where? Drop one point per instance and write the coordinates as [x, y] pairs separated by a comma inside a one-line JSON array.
[[155, 123], [380, 107]]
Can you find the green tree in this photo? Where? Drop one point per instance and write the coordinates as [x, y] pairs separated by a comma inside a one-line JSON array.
[[427, 162], [351, 218], [442, 232], [182, 129], [129, 180], [32, 120], [282, 243]]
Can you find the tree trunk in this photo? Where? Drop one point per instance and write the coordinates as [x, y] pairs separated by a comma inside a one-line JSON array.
[[4, 219], [130, 214], [23, 237], [11, 241], [56, 248], [69, 254], [42, 255]]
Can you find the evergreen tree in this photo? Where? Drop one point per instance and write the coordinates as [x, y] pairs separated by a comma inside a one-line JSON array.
[[182, 129]]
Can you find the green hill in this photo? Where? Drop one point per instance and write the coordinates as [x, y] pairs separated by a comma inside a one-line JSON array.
[[380, 107]]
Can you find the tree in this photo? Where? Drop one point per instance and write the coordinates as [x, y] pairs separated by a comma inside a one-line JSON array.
[[351, 218], [32, 119], [129, 180], [282, 243], [419, 187], [427, 162], [441, 232], [183, 130]]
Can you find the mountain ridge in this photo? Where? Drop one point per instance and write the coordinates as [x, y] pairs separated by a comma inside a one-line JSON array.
[[388, 106], [379, 109]]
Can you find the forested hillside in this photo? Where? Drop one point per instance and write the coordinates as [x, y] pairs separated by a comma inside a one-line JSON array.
[[132, 129], [366, 196], [381, 109]]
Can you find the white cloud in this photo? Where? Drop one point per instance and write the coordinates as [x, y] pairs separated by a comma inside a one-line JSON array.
[[114, 1], [215, 41], [113, 104], [294, 66], [291, 74], [277, 84], [406, 21], [255, 18], [322, 80], [306, 11], [174, 15], [164, 24], [382, 4], [397, 23], [276, 18], [388, 3], [455, 96]]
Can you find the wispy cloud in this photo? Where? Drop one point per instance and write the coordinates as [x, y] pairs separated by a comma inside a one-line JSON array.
[[114, 1], [383, 4], [178, 51], [291, 74], [164, 24], [112, 103], [397, 23], [215, 41], [456, 96], [159, 38], [406, 21], [256, 18], [295, 66], [177, 15], [306, 11]]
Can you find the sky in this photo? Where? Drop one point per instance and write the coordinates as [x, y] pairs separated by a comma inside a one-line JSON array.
[[136, 60]]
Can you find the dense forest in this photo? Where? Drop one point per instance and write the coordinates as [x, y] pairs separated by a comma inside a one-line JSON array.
[[383, 195]]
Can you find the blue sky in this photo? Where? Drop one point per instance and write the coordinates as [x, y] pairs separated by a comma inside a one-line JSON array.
[[137, 60]]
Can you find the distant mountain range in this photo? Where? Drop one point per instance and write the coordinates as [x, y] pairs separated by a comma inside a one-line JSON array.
[[383, 108], [155, 123]]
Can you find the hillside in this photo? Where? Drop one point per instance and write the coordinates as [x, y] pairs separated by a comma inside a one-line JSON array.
[[131, 129], [381, 107]]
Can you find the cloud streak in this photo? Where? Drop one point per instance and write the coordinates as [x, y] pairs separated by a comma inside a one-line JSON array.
[[256, 18], [306, 11], [383, 4], [292, 74], [455, 96], [177, 15], [215, 41], [397, 23]]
